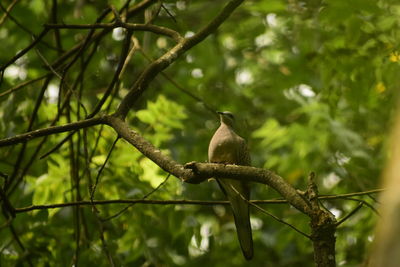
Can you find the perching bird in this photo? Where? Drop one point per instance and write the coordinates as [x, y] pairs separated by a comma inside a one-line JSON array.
[[229, 148]]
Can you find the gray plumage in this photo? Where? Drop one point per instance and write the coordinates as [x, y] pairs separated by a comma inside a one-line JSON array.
[[229, 148]]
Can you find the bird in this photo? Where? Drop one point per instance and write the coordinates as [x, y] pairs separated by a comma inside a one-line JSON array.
[[227, 147]]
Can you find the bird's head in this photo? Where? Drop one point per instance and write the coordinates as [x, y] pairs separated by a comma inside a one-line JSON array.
[[227, 118]]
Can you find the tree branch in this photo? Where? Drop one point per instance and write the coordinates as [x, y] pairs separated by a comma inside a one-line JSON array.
[[23, 84], [129, 26], [363, 193], [199, 172], [190, 173], [323, 228], [35, 41], [51, 130], [169, 57], [158, 202], [359, 206]]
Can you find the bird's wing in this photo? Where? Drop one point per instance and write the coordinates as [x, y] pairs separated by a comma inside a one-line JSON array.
[[244, 153]]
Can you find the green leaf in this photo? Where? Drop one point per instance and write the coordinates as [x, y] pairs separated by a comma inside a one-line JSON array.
[[50, 188]]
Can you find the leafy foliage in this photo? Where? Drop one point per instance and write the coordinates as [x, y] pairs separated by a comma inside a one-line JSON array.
[[312, 82]]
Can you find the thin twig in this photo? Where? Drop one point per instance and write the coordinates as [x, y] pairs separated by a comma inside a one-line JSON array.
[[22, 85], [54, 19], [19, 242], [17, 165], [8, 9], [269, 214], [25, 50], [169, 13], [363, 193], [121, 64], [365, 203], [350, 214], [151, 202], [144, 197], [181, 88], [93, 189], [81, 73], [7, 206], [119, 24], [95, 210], [122, 201]]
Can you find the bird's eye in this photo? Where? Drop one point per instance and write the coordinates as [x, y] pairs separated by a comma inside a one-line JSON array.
[[230, 115]]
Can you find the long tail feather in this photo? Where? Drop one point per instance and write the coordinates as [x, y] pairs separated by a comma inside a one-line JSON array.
[[235, 191]]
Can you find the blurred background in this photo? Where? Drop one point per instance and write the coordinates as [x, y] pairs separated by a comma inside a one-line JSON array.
[[313, 84]]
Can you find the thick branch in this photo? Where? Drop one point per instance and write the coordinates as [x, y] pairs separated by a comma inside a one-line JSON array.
[[198, 172], [253, 174], [147, 149]]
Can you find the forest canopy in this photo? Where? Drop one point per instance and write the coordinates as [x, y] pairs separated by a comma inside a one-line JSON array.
[[313, 85]]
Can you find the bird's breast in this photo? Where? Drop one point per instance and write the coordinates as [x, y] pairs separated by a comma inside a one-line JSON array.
[[223, 149]]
